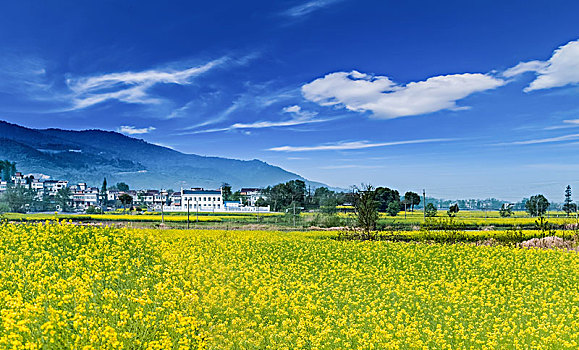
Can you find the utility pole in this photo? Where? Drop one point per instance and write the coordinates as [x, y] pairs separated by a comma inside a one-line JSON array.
[[424, 203], [197, 206], [188, 201]]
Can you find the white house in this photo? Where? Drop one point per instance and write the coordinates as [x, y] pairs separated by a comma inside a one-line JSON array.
[[84, 197], [202, 200], [199, 199], [251, 194]]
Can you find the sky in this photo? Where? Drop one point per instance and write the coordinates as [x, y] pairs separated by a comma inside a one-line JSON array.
[[465, 99]]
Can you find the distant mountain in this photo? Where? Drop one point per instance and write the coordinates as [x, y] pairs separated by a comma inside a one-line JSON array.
[[91, 155]]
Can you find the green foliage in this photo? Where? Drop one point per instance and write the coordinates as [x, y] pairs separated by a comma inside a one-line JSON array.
[[430, 210], [93, 210], [62, 199], [453, 210], [17, 199], [121, 186], [284, 195], [537, 205], [366, 208], [393, 208], [385, 196], [412, 199], [226, 191], [327, 220], [506, 210], [568, 206], [7, 169], [125, 199]]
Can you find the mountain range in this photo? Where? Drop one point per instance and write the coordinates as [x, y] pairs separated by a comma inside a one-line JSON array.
[[91, 155]]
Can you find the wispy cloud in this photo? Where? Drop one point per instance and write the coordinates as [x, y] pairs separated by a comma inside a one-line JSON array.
[[354, 145], [299, 117], [131, 130], [382, 97], [543, 140], [351, 166], [308, 7], [131, 87], [23, 74], [568, 123], [560, 70]]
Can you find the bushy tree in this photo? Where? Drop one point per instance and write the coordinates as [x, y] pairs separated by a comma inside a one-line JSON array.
[[123, 187], [506, 210], [125, 199], [62, 199], [453, 210], [286, 195], [18, 199], [393, 208], [366, 208], [537, 205], [430, 210], [385, 196], [412, 199]]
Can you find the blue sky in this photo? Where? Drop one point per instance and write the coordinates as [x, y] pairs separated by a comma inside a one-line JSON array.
[[463, 98]]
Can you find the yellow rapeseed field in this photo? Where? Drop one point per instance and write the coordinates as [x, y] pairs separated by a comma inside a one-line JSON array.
[[72, 287], [66, 286]]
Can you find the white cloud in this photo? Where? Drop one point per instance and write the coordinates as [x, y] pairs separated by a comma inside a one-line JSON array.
[[354, 145], [299, 117], [382, 97], [130, 87], [308, 7], [560, 70], [568, 123], [544, 140], [524, 67], [131, 130]]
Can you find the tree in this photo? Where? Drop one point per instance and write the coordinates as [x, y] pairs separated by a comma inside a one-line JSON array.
[[125, 199], [7, 170], [18, 199], [412, 199], [453, 210], [366, 208], [569, 206], [285, 195], [385, 196], [62, 198], [506, 210], [226, 191], [123, 187], [104, 195], [393, 208], [537, 205], [430, 210]]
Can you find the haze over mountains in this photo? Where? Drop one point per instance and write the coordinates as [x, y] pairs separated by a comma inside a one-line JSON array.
[[90, 155]]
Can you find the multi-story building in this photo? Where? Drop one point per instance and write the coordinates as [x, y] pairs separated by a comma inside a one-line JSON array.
[[85, 197], [251, 194], [202, 200], [51, 187]]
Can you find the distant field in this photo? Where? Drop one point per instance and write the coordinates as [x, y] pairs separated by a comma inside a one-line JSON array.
[[472, 220], [71, 286]]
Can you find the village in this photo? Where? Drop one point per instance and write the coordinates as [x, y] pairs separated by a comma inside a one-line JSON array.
[[86, 198]]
